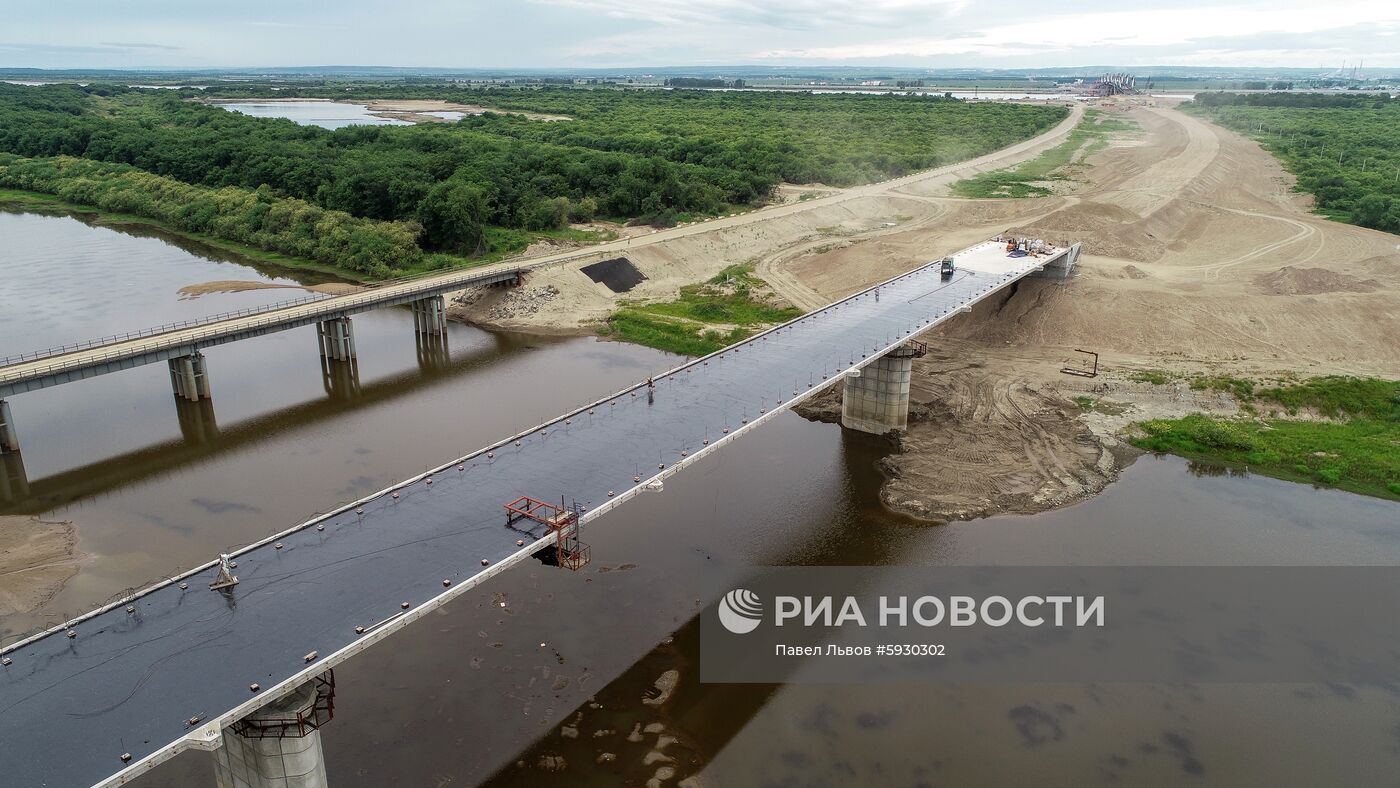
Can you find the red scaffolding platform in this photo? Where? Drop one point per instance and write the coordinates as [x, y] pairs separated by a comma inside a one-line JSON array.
[[565, 523]]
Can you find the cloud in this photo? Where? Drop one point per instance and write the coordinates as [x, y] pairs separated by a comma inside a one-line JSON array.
[[104, 47], [141, 46], [1145, 28], [775, 14]]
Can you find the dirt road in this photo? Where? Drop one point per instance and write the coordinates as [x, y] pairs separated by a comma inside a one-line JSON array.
[[1199, 259], [693, 253]]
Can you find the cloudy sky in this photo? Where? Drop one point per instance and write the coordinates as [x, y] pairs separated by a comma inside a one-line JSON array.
[[630, 33]]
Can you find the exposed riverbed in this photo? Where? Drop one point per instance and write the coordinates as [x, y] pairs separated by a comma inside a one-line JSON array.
[[461, 696]]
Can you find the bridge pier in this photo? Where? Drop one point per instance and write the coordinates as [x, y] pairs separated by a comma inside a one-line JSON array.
[[189, 377], [877, 401], [9, 438], [1061, 267], [429, 315], [337, 338], [279, 746]]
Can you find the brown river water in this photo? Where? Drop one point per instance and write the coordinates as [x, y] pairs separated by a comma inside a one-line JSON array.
[[543, 676]]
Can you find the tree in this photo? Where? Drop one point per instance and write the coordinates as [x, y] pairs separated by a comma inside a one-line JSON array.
[[453, 217], [1372, 211]]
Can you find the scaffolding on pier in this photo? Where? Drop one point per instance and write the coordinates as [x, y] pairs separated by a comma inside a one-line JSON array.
[[564, 522]]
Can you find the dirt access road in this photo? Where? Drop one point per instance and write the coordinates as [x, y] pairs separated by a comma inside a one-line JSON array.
[[1199, 259], [563, 300]]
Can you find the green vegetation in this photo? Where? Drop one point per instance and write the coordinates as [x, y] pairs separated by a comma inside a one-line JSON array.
[[1242, 390], [253, 217], [482, 185], [704, 319], [1345, 150], [1359, 452], [1091, 405], [1056, 164], [1154, 376]]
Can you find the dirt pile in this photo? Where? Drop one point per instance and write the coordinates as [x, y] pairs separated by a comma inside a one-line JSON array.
[[984, 440], [1312, 281]]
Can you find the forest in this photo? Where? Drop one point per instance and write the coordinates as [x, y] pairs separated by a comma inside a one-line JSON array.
[[1344, 149], [647, 156]]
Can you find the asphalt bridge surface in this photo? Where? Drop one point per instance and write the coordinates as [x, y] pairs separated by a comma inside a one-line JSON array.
[[130, 682]]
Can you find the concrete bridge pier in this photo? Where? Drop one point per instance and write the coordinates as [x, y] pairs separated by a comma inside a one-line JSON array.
[[430, 315], [877, 399], [278, 746], [1061, 267], [337, 338], [189, 377], [9, 438]]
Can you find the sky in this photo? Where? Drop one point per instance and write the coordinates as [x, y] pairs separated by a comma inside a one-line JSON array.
[[638, 33]]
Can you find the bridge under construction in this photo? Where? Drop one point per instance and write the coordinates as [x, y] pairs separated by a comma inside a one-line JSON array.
[[234, 656]]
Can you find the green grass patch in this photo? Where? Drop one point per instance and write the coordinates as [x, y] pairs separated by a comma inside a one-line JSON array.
[[1024, 180], [1154, 376], [676, 336], [1360, 455], [705, 318], [1358, 451], [1338, 396], [1240, 389], [1091, 405]]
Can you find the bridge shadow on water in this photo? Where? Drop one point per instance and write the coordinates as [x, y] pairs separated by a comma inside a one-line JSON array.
[[203, 439]]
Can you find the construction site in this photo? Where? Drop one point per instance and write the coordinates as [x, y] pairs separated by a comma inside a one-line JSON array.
[[985, 357]]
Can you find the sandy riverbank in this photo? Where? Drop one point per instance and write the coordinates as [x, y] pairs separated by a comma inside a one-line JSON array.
[[36, 558], [243, 285]]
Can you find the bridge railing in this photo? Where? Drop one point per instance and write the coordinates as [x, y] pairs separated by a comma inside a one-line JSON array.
[[59, 350], [367, 298], [62, 350]]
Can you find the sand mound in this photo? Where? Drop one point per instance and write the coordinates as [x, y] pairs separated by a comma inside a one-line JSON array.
[[983, 439], [1312, 281], [1104, 229], [243, 286]]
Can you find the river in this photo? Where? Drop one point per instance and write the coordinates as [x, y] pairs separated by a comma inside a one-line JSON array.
[[464, 696]]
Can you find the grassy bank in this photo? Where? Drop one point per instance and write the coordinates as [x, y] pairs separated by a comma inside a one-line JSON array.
[[504, 242], [1031, 179], [35, 202], [1356, 449], [705, 318]]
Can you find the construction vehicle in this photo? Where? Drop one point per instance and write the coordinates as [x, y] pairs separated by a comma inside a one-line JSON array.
[[946, 267]]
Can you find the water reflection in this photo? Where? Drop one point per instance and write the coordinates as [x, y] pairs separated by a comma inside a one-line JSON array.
[[326, 114], [67, 280]]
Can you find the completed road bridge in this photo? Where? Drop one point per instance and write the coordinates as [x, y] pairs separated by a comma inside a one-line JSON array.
[[235, 656]]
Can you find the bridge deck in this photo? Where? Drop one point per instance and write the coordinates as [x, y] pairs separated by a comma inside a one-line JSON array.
[[130, 682], [125, 354]]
